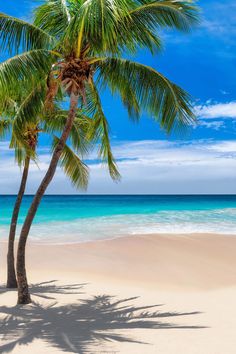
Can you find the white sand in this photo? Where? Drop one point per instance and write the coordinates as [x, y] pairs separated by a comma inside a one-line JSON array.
[[191, 275]]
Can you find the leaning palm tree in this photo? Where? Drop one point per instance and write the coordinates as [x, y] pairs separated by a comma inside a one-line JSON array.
[[77, 46], [26, 152], [9, 107]]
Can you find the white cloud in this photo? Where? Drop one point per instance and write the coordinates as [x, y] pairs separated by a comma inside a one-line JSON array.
[[215, 125], [146, 167], [162, 167], [217, 110], [224, 147]]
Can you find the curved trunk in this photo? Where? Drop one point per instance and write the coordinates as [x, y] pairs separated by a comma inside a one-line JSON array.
[[11, 273], [23, 290]]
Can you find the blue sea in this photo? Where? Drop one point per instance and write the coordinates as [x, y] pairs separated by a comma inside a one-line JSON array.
[[63, 219]]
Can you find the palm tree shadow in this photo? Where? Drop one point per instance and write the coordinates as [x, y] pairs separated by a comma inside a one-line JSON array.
[[78, 327], [46, 289], [50, 287]]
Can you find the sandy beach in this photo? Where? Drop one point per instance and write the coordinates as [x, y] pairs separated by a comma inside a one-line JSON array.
[[160, 294]]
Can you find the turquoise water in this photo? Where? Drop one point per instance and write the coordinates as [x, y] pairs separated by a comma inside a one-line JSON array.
[[85, 218]]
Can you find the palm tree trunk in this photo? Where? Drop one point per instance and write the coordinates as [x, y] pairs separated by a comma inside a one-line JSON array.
[[23, 290], [11, 273]]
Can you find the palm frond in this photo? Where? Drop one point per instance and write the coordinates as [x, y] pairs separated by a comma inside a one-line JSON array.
[[166, 102], [18, 35], [28, 115], [20, 152], [118, 25], [30, 66], [52, 17], [181, 15], [138, 28], [100, 131], [7, 105], [73, 167], [135, 35], [54, 122], [100, 22]]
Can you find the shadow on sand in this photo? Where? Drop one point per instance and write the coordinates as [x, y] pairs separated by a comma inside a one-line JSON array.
[[46, 289], [80, 327]]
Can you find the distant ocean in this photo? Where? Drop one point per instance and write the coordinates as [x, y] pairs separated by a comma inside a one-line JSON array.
[[64, 219]]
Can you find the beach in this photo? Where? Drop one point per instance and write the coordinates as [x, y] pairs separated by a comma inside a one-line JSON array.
[[97, 297], [117, 177]]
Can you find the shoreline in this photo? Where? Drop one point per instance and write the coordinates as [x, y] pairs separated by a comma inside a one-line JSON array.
[[125, 236]]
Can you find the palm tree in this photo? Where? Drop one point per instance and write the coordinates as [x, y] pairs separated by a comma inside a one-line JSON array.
[[24, 156], [8, 110], [9, 107], [77, 46]]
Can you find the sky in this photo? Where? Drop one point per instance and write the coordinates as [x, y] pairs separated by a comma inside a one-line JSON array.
[[203, 160]]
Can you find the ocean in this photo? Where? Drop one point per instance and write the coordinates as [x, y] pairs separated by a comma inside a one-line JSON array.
[[81, 218]]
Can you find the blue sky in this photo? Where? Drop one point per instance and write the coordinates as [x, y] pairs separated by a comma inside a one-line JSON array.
[[201, 161]]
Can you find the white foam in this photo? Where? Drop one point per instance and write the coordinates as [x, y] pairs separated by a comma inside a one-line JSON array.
[[221, 221]]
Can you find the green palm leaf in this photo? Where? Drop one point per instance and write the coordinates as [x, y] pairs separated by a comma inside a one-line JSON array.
[[7, 105], [181, 15], [18, 35], [19, 150], [96, 23], [151, 91], [55, 122], [118, 25], [100, 131], [52, 17], [139, 27], [73, 167], [28, 112], [29, 67]]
